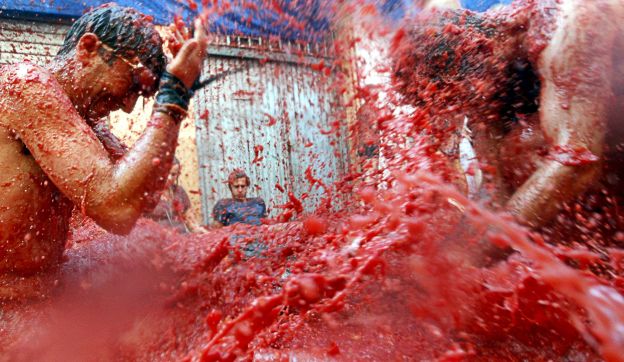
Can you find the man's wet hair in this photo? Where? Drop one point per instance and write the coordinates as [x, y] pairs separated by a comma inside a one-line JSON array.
[[444, 56], [128, 32], [443, 48]]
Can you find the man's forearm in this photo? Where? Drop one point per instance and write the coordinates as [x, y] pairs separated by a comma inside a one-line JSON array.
[[142, 171], [137, 178], [537, 201]]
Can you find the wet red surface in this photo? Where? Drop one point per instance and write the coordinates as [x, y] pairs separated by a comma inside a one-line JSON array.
[[386, 281]]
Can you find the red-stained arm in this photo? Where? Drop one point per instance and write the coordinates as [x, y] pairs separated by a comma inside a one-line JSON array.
[[576, 70]]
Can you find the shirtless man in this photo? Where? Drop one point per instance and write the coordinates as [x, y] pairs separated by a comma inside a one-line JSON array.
[[51, 160], [539, 84]]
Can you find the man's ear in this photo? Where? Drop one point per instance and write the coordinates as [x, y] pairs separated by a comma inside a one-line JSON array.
[[87, 47]]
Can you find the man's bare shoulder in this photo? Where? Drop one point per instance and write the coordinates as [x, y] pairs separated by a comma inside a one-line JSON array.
[[24, 87], [25, 73], [21, 80]]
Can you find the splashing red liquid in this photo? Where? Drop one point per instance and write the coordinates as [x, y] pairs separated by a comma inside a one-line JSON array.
[[384, 281]]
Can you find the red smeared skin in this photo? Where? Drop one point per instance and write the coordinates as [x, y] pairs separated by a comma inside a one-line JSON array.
[[525, 139], [569, 156], [116, 148], [578, 90]]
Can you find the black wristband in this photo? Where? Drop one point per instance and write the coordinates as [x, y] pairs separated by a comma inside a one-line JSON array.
[[197, 85], [173, 91], [174, 111]]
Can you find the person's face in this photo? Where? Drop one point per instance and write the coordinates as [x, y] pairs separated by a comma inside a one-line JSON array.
[[122, 82], [174, 174], [239, 188]]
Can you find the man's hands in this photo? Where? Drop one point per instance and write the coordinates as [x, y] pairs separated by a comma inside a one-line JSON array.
[[187, 62]]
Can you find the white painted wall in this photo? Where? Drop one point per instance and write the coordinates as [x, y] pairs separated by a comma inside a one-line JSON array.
[[239, 108]]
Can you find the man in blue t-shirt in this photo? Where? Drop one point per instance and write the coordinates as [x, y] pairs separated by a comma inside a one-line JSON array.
[[239, 209]]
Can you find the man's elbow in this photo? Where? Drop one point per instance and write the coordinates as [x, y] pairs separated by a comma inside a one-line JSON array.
[[539, 200], [591, 174], [117, 220]]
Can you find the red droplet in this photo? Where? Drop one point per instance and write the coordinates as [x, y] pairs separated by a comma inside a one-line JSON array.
[[315, 225]]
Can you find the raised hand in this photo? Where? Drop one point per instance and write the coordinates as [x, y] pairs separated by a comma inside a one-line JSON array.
[[187, 62]]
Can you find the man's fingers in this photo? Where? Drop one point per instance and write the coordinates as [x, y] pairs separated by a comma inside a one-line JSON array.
[[188, 62], [200, 34], [188, 48], [178, 35], [200, 31]]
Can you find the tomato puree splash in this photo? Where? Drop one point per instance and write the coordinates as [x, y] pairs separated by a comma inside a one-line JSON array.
[[389, 275], [386, 280], [383, 281]]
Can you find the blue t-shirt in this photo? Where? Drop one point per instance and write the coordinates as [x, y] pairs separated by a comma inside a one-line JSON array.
[[230, 211]]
